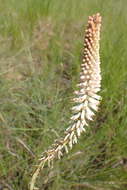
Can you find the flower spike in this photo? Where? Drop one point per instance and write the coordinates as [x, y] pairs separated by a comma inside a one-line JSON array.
[[86, 100]]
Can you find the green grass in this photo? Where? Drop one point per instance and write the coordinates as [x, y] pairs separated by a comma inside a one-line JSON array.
[[40, 54]]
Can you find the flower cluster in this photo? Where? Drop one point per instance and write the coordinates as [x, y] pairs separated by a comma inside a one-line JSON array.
[[86, 100]]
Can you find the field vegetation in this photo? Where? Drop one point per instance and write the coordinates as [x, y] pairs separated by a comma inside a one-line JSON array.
[[41, 45]]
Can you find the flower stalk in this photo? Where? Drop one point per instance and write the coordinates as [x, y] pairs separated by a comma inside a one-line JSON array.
[[86, 98]]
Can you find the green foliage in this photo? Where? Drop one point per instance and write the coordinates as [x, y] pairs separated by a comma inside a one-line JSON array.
[[40, 56]]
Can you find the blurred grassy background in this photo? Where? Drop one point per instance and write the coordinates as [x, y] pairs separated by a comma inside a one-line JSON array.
[[41, 46]]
